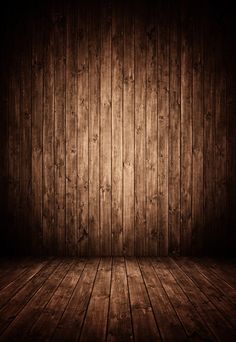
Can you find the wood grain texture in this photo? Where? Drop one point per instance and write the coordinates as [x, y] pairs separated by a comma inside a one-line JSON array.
[[48, 221], [118, 299], [197, 141], [119, 321], [94, 56], [174, 134], [186, 129], [25, 135], [209, 140], [37, 137], [106, 131], [151, 132], [140, 131], [83, 129], [118, 129], [128, 132], [117, 132], [163, 127], [70, 136]]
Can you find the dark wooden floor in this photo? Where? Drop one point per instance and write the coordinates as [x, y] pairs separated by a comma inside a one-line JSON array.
[[118, 299]]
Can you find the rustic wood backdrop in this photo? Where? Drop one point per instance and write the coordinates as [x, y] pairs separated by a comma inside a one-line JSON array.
[[117, 129]]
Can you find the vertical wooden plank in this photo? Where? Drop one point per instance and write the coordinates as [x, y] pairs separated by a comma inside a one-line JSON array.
[[59, 53], [9, 176], [94, 138], [174, 133], [83, 129], [25, 137], [231, 161], [48, 138], [37, 141], [151, 132], [140, 127], [229, 48], [186, 129], [197, 123], [117, 118], [209, 139], [10, 130], [71, 129], [220, 153], [3, 155], [163, 124], [128, 131], [105, 130]]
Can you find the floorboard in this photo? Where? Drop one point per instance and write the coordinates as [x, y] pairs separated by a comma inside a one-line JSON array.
[[117, 299]]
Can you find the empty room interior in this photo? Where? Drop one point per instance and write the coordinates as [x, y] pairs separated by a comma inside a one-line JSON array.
[[118, 171]]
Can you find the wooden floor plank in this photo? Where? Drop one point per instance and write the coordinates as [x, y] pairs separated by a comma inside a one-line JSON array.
[[144, 324], [21, 298], [11, 289], [119, 320], [10, 270], [22, 324], [118, 299], [70, 324], [95, 323], [212, 317], [47, 322], [169, 324], [217, 297], [189, 317], [218, 282], [222, 270]]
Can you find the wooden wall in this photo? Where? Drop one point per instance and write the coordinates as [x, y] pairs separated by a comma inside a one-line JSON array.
[[117, 129]]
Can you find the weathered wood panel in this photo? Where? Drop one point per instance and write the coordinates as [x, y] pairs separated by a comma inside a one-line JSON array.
[[117, 299], [60, 109], [128, 132], [70, 128], [174, 134], [94, 36], [151, 132], [48, 221], [117, 118], [105, 131], [37, 137], [83, 129], [118, 129], [140, 130], [186, 129], [163, 127]]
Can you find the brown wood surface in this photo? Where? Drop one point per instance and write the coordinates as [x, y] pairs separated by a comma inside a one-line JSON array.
[[94, 60], [151, 132], [186, 130], [105, 131], [119, 320], [82, 133], [117, 119], [59, 133], [174, 134], [69, 134], [128, 131], [48, 215], [118, 130], [118, 299], [163, 128]]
